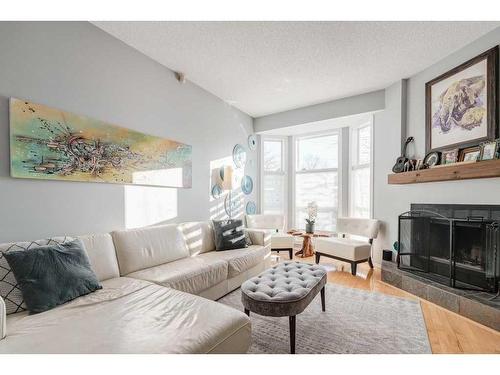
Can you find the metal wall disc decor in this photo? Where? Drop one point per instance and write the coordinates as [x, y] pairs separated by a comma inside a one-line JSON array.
[[239, 156], [216, 191], [247, 184], [229, 205], [252, 142], [251, 208]]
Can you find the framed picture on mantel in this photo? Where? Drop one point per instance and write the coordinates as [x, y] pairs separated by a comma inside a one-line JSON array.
[[461, 104]]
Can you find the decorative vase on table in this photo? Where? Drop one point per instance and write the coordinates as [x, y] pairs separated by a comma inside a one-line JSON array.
[[309, 226], [312, 213]]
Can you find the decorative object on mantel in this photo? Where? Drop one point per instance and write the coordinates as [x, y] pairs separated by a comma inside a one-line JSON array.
[[489, 150], [239, 156], [402, 160], [449, 172], [469, 154], [247, 184], [251, 208], [252, 142], [461, 104], [216, 191], [50, 144], [432, 158], [450, 156], [312, 213]]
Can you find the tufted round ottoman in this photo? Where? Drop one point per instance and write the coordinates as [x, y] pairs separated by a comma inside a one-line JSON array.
[[284, 290]]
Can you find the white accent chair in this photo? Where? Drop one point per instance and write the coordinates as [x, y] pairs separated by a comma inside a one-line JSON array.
[[275, 224], [346, 249]]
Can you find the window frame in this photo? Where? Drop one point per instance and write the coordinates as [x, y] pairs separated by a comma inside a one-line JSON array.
[[294, 170], [283, 172], [354, 165]]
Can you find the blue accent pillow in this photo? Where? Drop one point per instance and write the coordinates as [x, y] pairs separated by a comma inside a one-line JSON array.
[[51, 275], [229, 235]]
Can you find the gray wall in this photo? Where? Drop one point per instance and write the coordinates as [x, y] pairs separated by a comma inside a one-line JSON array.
[[79, 68], [390, 200], [369, 102]]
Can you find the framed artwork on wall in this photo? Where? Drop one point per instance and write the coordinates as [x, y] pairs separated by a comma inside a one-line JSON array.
[[51, 144], [461, 104]]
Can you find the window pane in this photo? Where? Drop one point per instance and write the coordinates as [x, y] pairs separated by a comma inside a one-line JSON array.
[[274, 194], [272, 156], [360, 193], [364, 145], [321, 187], [317, 153]]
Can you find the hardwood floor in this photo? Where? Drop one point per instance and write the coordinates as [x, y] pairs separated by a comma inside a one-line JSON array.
[[448, 332]]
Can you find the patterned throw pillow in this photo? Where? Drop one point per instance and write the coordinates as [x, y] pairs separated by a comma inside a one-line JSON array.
[[9, 287], [229, 235]]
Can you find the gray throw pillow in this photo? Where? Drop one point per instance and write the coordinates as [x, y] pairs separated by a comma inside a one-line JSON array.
[[229, 235], [51, 275]]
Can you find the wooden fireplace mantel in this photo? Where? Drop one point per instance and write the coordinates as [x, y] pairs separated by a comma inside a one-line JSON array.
[[452, 172]]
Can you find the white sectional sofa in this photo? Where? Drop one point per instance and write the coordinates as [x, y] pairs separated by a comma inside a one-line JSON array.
[[153, 282]]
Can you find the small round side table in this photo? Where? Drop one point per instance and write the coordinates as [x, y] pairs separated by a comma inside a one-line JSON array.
[[307, 245]]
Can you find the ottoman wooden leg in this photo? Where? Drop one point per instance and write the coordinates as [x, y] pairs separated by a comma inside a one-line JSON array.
[[247, 312], [291, 319], [323, 299]]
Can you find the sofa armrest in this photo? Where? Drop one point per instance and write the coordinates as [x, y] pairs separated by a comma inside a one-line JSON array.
[[3, 319], [260, 237]]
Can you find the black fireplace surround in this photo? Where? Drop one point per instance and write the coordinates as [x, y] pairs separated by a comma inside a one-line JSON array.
[[453, 244]]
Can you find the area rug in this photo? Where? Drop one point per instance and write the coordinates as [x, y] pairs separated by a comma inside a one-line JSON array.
[[355, 322]]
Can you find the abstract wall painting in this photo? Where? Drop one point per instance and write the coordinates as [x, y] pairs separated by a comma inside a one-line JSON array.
[[48, 143], [461, 107]]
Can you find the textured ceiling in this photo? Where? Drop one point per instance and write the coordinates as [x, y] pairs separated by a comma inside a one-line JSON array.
[[268, 67]]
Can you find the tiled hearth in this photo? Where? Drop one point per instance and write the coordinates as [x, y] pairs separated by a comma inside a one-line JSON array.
[[479, 306]]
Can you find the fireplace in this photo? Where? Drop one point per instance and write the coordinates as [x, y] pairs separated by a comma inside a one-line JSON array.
[[457, 245]]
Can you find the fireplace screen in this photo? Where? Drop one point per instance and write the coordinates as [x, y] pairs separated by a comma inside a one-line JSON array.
[[459, 251]]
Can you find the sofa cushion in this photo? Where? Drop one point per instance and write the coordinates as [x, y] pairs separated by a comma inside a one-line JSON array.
[[191, 275], [102, 255], [52, 275], [240, 260], [130, 316], [9, 287], [199, 236], [345, 248], [142, 248]]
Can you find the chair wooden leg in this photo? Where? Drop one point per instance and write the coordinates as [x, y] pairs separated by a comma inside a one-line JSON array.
[[247, 312], [290, 253], [317, 256], [291, 320], [353, 268], [370, 262], [323, 307]]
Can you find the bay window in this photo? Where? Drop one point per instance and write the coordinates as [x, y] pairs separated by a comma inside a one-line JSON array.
[[316, 179], [274, 176], [360, 176]]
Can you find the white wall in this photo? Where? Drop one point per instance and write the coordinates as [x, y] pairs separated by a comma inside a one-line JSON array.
[[391, 200], [79, 68]]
